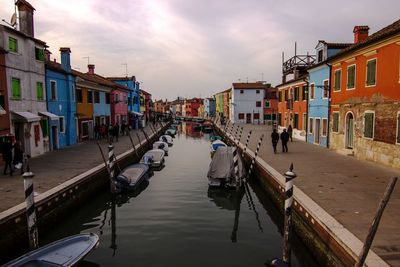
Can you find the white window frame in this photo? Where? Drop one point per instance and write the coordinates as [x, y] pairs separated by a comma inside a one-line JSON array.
[[373, 125], [309, 93], [323, 89], [322, 128], [334, 81], [376, 72], [355, 78], [336, 112], [311, 125], [55, 90], [63, 124], [397, 127]]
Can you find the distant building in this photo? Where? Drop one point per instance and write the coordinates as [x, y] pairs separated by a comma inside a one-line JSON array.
[[247, 103], [270, 104], [209, 107]]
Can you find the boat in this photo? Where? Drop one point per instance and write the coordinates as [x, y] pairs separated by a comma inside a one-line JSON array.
[[131, 177], [161, 145], [217, 144], [170, 132], [167, 139], [215, 137], [154, 158], [64, 252], [221, 172]]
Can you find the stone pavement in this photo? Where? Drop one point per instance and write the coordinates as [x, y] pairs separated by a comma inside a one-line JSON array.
[[347, 188], [55, 167]]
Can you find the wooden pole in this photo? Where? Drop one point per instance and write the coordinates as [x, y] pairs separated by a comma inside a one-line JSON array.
[[104, 158], [30, 210], [133, 144], [375, 223]]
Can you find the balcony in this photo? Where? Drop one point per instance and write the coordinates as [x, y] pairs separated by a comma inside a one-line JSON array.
[[298, 62]]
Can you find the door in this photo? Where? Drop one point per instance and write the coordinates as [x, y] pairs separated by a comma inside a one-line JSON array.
[[349, 130], [317, 139], [54, 137], [248, 118]]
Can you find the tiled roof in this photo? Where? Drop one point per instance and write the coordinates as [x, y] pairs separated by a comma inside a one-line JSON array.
[[388, 31], [99, 80], [292, 81], [144, 92], [256, 85], [122, 78]]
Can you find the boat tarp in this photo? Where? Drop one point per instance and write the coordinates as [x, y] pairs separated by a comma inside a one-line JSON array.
[[132, 174], [221, 166], [155, 154]]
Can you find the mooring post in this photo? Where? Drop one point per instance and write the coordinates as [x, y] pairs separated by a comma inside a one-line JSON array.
[[103, 157], [226, 126], [111, 158], [247, 143], [30, 209], [253, 160], [289, 176], [236, 132], [236, 167], [231, 129], [145, 136], [133, 145], [239, 137]]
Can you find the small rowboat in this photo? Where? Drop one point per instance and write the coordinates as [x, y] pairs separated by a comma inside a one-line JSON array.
[[167, 139], [161, 145], [154, 158], [171, 132], [130, 178]]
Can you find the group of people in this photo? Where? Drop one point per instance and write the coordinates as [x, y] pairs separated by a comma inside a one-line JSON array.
[[285, 136], [110, 132], [13, 157]]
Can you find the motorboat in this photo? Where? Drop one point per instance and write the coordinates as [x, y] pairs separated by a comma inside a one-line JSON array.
[[161, 145], [221, 172], [154, 158], [167, 139], [131, 177], [170, 132], [64, 252], [217, 144]]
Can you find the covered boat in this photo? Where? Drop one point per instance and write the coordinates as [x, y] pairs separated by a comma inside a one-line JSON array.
[[217, 144], [64, 252], [131, 177], [171, 132], [154, 158], [215, 137], [167, 139], [161, 145], [221, 171]]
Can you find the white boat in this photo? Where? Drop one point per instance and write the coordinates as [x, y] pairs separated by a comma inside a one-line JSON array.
[[64, 252], [154, 158], [167, 139], [217, 144], [161, 145], [171, 132], [221, 172], [131, 177]]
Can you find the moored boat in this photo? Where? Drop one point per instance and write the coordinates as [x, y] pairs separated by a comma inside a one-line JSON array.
[[167, 139], [131, 177], [154, 158], [215, 137], [161, 145], [170, 132], [217, 144], [64, 252]]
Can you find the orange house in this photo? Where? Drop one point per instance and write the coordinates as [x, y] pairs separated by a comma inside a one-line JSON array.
[[365, 96]]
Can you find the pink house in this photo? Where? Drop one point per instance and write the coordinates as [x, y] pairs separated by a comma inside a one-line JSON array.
[[119, 104]]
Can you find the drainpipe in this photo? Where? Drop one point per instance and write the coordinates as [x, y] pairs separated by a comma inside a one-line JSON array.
[[329, 106], [307, 87]]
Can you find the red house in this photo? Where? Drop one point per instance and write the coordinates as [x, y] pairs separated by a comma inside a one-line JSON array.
[[192, 107]]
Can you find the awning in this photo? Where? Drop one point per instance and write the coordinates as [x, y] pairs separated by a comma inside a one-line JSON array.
[[26, 116], [50, 115], [136, 113]]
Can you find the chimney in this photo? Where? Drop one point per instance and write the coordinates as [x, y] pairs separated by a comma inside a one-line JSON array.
[[66, 58], [47, 54], [91, 69], [25, 11], [360, 33]]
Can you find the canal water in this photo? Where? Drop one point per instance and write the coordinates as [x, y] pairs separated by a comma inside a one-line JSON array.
[[175, 220]]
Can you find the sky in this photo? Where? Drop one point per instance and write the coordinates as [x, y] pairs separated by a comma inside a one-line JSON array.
[[196, 48]]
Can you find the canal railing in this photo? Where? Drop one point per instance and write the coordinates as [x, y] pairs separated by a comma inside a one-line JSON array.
[[328, 240]]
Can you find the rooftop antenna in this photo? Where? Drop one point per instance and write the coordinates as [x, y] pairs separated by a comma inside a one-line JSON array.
[[262, 76], [295, 48], [88, 60], [247, 79], [126, 69], [283, 57]]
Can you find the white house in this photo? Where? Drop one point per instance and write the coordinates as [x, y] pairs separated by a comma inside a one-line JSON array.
[[247, 103]]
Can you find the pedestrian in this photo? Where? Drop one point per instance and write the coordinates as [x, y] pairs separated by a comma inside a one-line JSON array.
[[123, 128], [7, 156], [275, 139], [110, 134], [116, 131], [102, 131], [18, 157], [284, 139], [96, 132], [290, 132]]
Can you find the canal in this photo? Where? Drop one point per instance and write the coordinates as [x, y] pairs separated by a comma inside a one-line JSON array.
[[175, 220]]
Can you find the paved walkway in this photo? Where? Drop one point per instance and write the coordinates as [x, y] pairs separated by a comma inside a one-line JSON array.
[[349, 189], [58, 166]]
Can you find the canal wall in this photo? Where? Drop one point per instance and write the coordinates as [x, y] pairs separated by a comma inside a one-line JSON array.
[[329, 241], [59, 202]]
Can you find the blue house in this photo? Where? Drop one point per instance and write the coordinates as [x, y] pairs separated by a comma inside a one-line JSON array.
[[61, 103], [319, 93], [134, 115], [209, 107]]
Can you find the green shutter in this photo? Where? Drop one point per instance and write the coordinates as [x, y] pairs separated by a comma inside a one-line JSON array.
[[12, 44], [39, 54], [286, 94], [280, 96], [371, 72], [16, 88], [369, 125], [351, 76], [44, 126], [296, 121], [337, 79], [39, 90], [335, 126]]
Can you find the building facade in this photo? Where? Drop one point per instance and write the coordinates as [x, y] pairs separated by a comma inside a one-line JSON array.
[[209, 107], [119, 104], [247, 103], [270, 105], [5, 132]]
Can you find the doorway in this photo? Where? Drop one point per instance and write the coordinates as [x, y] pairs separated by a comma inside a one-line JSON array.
[[248, 117], [54, 137], [349, 130], [317, 131]]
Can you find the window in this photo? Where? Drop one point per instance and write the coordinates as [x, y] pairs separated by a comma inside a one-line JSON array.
[[267, 104], [39, 53], [241, 91], [335, 122], [312, 91], [280, 96], [304, 93], [107, 98], [351, 76], [338, 77], [53, 90], [267, 117], [369, 124], [296, 94], [89, 96], [371, 72], [12, 44], [325, 90], [324, 127], [62, 124], [96, 97], [279, 118], [16, 88], [258, 104], [241, 116], [311, 125], [256, 116], [286, 95], [39, 90], [398, 129], [257, 91], [296, 121], [320, 55], [304, 121], [79, 96]]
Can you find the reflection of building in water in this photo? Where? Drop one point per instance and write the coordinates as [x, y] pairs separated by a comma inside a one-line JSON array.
[[192, 131]]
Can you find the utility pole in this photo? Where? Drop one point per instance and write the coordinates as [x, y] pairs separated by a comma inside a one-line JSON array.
[[88, 60], [126, 69]]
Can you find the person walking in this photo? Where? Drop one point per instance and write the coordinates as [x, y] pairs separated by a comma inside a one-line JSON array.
[[110, 134], [18, 160], [116, 131], [275, 139], [96, 132], [284, 139], [123, 128], [290, 132], [7, 156]]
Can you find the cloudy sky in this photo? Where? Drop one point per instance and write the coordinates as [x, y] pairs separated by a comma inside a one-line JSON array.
[[197, 47]]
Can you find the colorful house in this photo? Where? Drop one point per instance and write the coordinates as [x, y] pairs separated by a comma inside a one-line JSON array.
[[192, 106], [209, 107], [227, 95], [365, 96], [219, 103], [5, 132], [146, 106], [119, 104], [60, 91], [270, 104], [247, 99], [318, 103]]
